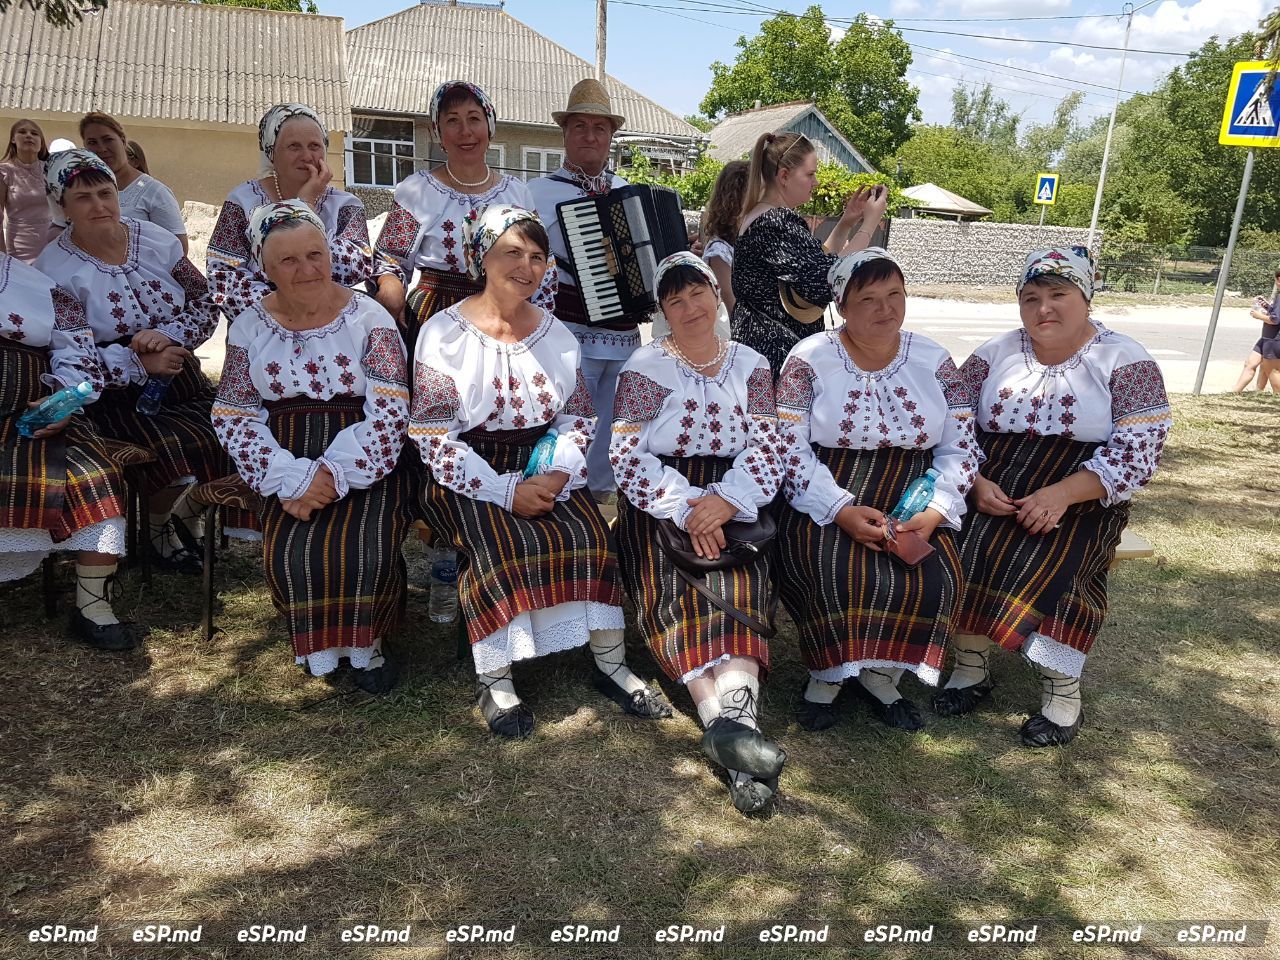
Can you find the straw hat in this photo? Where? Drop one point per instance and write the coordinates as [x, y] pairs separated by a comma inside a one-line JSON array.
[[589, 97]]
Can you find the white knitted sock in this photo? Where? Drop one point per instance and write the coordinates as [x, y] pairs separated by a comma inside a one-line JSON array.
[[499, 692], [881, 683], [91, 593], [1059, 696], [819, 691], [708, 709], [189, 513], [739, 694], [610, 651], [971, 669]]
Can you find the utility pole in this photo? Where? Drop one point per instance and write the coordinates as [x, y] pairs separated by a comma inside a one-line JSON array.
[[1106, 151], [601, 9]]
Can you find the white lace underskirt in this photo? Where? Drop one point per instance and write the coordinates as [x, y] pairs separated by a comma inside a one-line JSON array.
[[539, 632], [924, 673], [22, 549], [1056, 656], [696, 672], [326, 661]]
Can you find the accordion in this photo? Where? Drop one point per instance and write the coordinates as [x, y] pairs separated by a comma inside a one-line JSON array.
[[615, 243]]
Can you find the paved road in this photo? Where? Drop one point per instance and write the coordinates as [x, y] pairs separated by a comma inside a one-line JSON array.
[[1173, 335]]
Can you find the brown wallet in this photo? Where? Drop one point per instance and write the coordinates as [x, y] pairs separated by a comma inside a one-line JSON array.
[[908, 548]]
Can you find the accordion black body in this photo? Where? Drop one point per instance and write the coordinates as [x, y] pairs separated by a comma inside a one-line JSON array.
[[615, 243]]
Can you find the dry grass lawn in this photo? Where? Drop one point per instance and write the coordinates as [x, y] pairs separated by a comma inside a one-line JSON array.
[[216, 783]]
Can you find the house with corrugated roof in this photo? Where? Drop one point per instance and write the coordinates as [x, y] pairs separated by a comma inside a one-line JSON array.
[[188, 81], [734, 136], [397, 62]]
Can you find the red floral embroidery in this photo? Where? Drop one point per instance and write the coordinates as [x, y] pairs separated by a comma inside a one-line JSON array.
[[638, 399]]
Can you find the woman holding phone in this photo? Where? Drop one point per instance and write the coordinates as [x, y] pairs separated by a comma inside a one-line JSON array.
[[294, 143]]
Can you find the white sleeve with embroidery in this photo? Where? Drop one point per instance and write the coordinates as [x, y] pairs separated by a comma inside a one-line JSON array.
[[753, 480], [365, 452], [73, 357], [645, 480], [575, 425], [1141, 419], [809, 486], [955, 456], [435, 427], [199, 316], [240, 421]]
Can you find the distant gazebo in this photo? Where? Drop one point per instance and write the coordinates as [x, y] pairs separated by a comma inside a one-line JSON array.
[[929, 198]]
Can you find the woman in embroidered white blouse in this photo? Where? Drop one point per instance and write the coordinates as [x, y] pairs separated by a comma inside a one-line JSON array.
[[494, 375], [312, 407], [865, 410]]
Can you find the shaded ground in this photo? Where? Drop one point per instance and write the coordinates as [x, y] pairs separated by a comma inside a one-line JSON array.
[[217, 784]]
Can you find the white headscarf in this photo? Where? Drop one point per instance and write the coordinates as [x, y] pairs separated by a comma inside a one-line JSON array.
[[61, 169], [842, 270], [275, 118], [270, 215], [1071, 263]]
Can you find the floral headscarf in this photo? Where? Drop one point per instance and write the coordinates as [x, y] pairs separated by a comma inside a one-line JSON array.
[[481, 232], [63, 167], [842, 270], [479, 95], [683, 258], [270, 215], [1071, 263], [275, 118]]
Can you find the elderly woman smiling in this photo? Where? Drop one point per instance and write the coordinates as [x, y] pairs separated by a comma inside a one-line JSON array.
[[1072, 418], [293, 144], [312, 407], [866, 410], [695, 444], [493, 376]]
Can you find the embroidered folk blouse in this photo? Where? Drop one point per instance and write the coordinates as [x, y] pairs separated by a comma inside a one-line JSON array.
[[358, 354], [464, 380], [1111, 392], [238, 283], [156, 288], [39, 313], [917, 402], [663, 408]]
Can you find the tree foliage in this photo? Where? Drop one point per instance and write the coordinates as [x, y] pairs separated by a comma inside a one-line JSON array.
[[983, 116], [60, 13], [858, 81], [295, 6]]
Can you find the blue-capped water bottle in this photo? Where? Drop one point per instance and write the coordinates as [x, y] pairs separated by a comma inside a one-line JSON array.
[[543, 453], [443, 605], [152, 397], [917, 497], [57, 407]]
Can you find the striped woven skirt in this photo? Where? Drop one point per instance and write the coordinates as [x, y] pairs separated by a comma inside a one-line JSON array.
[[855, 607], [339, 578], [61, 484], [684, 630], [1052, 584], [512, 566], [181, 434], [437, 290]]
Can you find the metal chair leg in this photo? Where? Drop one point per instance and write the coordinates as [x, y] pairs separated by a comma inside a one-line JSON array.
[[49, 587], [210, 555]]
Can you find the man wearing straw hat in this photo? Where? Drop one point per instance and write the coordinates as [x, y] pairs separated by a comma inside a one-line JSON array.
[[589, 123]]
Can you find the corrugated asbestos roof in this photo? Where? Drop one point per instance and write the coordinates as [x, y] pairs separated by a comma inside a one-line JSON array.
[[175, 61], [397, 62], [735, 135], [932, 198]]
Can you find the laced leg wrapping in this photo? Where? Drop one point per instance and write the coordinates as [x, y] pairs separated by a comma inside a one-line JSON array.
[[96, 590]]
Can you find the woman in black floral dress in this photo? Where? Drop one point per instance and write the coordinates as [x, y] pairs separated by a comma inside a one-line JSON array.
[[775, 244]]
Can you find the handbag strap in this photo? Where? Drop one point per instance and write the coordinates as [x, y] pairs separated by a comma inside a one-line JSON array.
[[751, 623]]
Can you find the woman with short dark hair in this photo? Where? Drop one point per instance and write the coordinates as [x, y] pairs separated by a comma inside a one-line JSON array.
[[496, 380], [695, 445], [1071, 419]]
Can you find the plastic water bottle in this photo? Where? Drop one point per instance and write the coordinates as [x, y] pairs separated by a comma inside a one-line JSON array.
[[152, 397], [57, 407], [917, 496], [443, 607], [542, 454]]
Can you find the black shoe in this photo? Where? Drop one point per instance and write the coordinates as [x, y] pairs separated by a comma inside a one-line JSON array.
[[1040, 731], [647, 703], [957, 701], [189, 541], [514, 723], [735, 746], [902, 713], [753, 796], [378, 680], [815, 716], [113, 636], [180, 560]]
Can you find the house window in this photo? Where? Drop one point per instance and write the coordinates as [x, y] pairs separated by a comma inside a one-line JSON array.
[[538, 162], [381, 153]]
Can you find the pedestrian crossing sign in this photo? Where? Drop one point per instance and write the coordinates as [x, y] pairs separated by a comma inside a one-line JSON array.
[[1046, 189], [1252, 114]]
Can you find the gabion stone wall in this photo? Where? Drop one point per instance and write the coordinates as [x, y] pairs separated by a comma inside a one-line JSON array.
[[982, 254], [376, 201]]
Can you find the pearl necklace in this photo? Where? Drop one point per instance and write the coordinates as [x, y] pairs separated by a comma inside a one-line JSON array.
[[676, 352], [488, 174], [275, 181]]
